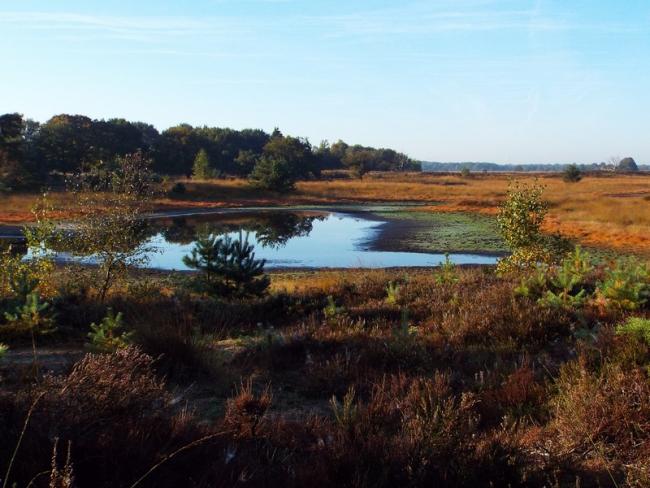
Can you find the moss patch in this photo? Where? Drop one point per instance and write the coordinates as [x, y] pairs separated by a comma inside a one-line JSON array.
[[439, 232]]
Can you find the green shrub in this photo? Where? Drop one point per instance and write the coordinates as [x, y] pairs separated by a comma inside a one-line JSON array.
[[521, 215], [520, 221], [106, 337], [392, 293], [572, 174], [331, 310], [447, 273], [626, 286], [228, 267], [637, 327], [567, 283], [31, 317], [273, 174]]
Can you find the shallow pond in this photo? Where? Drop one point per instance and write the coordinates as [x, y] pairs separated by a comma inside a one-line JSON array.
[[308, 238], [291, 240]]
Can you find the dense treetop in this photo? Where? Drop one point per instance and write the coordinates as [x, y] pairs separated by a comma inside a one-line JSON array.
[[30, 151]]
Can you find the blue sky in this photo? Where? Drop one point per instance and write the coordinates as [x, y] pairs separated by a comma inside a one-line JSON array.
[[444, 80]]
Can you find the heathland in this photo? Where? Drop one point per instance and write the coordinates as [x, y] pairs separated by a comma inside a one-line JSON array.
[[533, 372]]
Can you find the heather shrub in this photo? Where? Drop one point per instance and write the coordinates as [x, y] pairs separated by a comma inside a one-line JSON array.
[[601, 417], [246, 410], [412, 432], [111, 408]]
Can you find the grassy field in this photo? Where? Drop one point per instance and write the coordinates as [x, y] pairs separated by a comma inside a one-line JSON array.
[[605, 211]]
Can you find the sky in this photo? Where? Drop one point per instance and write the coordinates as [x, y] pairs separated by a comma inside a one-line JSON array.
[[510, 81]]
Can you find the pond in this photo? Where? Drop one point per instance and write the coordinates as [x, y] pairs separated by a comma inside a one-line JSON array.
[[297, 240], [307, 238]]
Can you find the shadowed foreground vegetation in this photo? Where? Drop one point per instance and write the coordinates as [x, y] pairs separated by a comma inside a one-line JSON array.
[[452, 377]]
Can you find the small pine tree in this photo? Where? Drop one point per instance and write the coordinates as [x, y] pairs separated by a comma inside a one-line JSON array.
[[572, 174], [201, 169], [273, 174], [108, 336], [228, 267]]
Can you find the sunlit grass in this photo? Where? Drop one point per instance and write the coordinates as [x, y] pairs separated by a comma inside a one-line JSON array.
[[610, 210]]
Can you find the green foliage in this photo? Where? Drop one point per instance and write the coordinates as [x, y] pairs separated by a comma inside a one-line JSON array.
[[3, 350], [17, 169], [19, 278], [273, 174], [227, 266], [361, 159], [33, 316], [520, 220], [567, 283], [109, 335], [447, 273], [626, 286], [246, 161], [572, 174], [637, 327], [66, 143], [561, 286], [331, 310], [201, 170], [534, 283], [392, 293], [521, 215], [111, 227], [465, 172]]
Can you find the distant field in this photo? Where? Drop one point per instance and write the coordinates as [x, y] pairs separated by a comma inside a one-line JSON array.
[[606, 211]]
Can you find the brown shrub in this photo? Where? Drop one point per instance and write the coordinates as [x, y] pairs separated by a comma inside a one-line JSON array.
[[415, 432], [602, 416], [246, 409], [111, 409]]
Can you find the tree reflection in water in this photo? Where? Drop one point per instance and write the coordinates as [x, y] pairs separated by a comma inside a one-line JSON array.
[[271, 228]]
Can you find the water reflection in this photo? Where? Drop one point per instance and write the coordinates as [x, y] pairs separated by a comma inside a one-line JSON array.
[[291, 239], [285, 239], [271, 228]]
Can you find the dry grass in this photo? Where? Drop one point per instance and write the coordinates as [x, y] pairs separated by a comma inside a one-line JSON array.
[[607, 211]]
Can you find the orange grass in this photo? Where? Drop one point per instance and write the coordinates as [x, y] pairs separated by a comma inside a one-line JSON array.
[[605, 210]]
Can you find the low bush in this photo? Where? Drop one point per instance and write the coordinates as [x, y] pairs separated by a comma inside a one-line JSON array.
[[602, 417]]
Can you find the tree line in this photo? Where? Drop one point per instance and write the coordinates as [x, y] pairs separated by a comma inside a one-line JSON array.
[[627, 164], [31, 152]]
